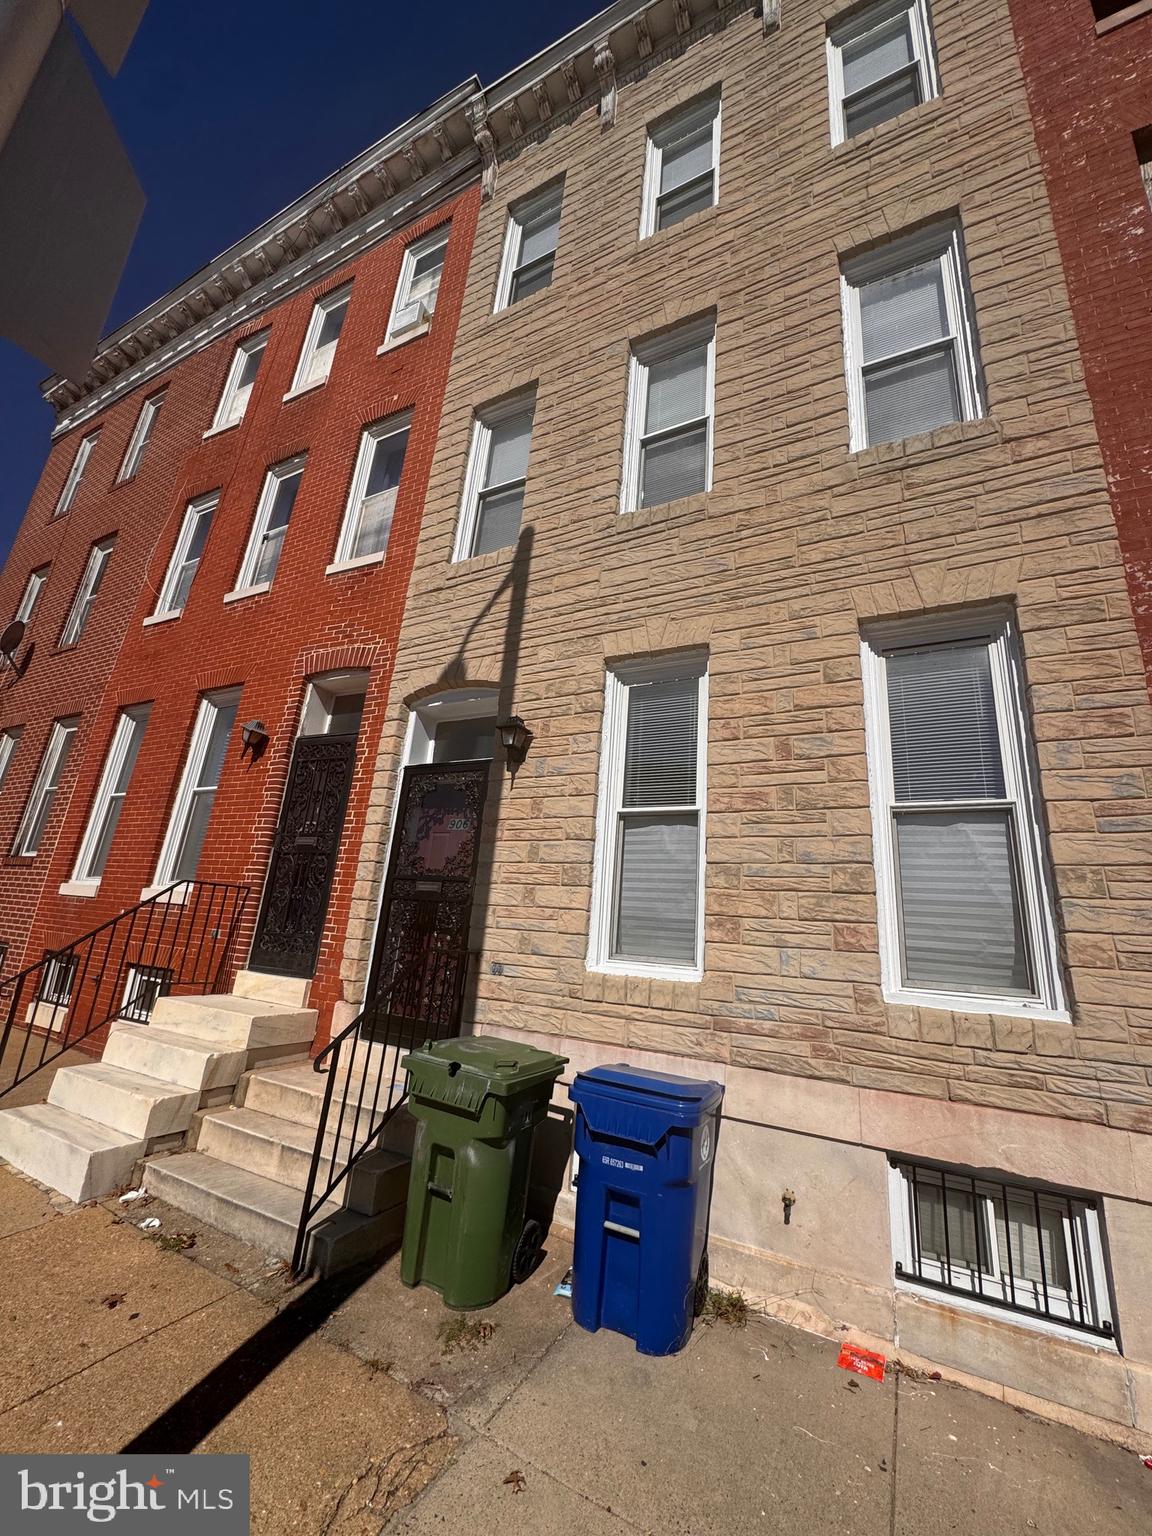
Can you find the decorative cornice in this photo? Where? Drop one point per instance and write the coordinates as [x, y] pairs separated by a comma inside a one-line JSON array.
[[476, 111], [771, 11], [604, 62]]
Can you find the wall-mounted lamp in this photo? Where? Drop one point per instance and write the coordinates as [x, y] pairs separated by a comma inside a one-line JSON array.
[[254, 738], [515, 736]]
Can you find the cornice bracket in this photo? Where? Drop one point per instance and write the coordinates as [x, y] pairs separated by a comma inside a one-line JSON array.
[[683, 16], [476, 112], [605, 63], [770, 10], [643, 35]]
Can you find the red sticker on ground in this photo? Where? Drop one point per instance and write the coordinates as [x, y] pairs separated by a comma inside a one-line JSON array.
[[865, 1362]]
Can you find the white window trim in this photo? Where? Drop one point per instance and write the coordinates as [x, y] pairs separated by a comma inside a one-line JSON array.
[[141, 436], [85, 599], [673, 125], [610, 787], [941, 242], [866, 21], [46, 783], [323, 306], [1091, 1257], [127, 725], [245, 586], [343, 559], [33, 587], [643, 354], [192, 513], [483, 423], [1021, 785], [400, 300], [165, 876], [520, 214], [9, 741], [76, 473], [226, 413]]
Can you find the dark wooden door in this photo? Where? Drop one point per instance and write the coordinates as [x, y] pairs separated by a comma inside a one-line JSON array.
[[420, 962], [291, 922]]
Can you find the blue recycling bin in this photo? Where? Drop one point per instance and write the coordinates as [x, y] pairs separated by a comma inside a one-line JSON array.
[[646, 1143]]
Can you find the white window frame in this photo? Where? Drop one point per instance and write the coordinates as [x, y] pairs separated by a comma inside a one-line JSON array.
[[76, 473], [272, 478], [379, 432], [233, 406], [9, 741], [1083, 1244], [643, 355], [303, 379], [527, 211], [400, 331], [202, 506], [86, 592], [162, 975], [609, 814], [662, 132], [940, 242], [33, 587], [170, 850], [141, 436], [483, 423], [1021, 799], [57, 968], [858, 25], [44, 787], [126, 738]]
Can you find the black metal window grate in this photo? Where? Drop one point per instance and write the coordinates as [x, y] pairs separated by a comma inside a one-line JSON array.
[[1011, 1246], [145, 984]]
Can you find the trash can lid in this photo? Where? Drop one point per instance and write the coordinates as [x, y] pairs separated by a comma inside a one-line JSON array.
[[686, 1100], [502, 1064]]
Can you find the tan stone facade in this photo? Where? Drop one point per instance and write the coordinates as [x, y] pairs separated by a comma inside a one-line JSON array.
[[773, 571]]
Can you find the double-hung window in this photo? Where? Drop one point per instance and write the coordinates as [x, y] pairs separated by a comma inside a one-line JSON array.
[[417, 289], [196, 794], [86, 592], [530, 246], [880, 63], [141, 435], [649, 868], [32, 590], [273, 513], [38, 808], [1011, 1247], [186, 556], [965, 901], [9, 741], [242, 373], [496, 478], [319, 349], [372, 499], [106, 807], [912, 359], [681, 172], [76, 473], [668, 440]]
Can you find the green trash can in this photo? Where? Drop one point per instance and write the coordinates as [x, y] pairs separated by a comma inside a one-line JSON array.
[[477, 1102]]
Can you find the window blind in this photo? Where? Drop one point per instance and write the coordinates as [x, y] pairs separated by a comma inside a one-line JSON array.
[[508, 450], [942, 725], [656, 897], [660, 749], [877, 54], [677, 389]]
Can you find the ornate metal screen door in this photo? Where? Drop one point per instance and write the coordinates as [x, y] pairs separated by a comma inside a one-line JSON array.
[[291, 922], [421, 959]]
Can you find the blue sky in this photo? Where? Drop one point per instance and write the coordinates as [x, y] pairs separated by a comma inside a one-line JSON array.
[[231, 112]]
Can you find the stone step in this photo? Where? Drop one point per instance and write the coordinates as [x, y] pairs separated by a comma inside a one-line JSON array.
[[258, 1210], [198, 1064], [271, 989], [297, 1092], [275, 1149], [125, 1101], [239, 1023], [68, 1152]]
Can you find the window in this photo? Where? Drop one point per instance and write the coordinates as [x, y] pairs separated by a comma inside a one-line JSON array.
[[966, 909], [32, 590], [9, 741], [496, 477], [238, 385], [680, 173], [1143, 142], [76, 474], [273, 512], [530, 246], [105, 814], [1103, 9], [144, 986], [649, 868], [372, 499], [86, 592], [48, 776], [911, 342], [1008, 1246], [417, 290], [668, 442], [880, 63], [186, 556], [57, 979], [319, 349], [142, 432], [196, 794]]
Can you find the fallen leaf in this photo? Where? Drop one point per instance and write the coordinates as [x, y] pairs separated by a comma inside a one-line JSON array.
[[113, 1300], [517, 1481]]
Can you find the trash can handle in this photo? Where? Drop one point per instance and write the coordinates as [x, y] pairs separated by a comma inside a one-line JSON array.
[[453, 1068], [616, 1226]]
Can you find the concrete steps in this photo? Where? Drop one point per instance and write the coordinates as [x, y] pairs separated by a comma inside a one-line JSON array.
[[68, 1152], [237, 1023], [143, 1107], [255, 1209], [157, 1052]]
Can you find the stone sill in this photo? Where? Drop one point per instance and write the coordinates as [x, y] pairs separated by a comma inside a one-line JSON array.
[[475, 565], [227, 426], [1130, 13], [82, 888], [956, 434], [304, 389], [403, 340], [358, 563], [243, 592]]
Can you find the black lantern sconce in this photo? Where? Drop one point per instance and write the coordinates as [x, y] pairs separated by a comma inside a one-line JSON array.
[[254, 739], [516, 739]]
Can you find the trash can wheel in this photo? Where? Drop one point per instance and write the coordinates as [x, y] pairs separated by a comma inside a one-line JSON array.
[[527, 1254], [700, 1296]]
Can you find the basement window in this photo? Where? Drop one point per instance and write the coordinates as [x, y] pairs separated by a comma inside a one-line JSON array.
[[144, 986], [1143, 142], [56, 979]]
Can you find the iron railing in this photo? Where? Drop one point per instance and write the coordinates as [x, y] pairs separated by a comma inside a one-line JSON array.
[[181, 939], [418, 999]]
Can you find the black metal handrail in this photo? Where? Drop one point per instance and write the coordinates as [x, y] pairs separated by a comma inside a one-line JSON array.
[[179, 939]]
